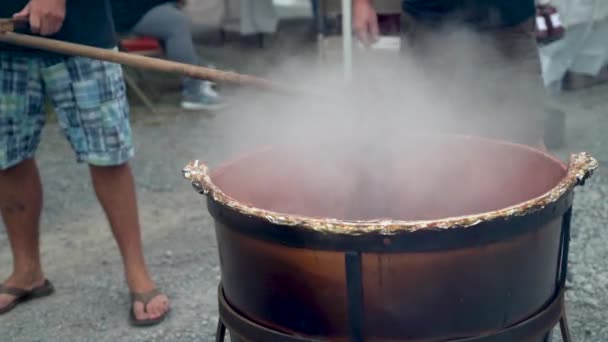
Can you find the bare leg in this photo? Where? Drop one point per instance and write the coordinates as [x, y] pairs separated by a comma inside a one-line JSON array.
[[115, 190], [21, 204]]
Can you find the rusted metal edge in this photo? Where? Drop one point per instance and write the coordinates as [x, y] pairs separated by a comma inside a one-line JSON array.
[[581, 167]]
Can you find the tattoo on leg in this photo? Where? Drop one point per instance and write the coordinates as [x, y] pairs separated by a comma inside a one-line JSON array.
[[13, 208]]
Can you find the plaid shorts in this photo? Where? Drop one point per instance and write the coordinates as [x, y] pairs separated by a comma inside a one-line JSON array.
[[89, 99]]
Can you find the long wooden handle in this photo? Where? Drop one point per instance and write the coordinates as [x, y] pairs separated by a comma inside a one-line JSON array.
[[134, 60]]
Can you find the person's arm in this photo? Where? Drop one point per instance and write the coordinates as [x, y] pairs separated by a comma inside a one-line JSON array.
[[365, 21], [45, 16]]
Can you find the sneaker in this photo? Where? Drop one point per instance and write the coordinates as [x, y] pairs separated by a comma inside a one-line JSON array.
[[211, 83], [206, 99]]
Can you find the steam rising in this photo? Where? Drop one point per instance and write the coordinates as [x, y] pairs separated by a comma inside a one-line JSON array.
[[355, 133]]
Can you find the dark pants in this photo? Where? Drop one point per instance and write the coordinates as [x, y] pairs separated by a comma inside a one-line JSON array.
[[170, 24], [490, 79]]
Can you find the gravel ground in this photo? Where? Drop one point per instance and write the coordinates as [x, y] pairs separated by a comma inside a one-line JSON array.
[[82, 260]]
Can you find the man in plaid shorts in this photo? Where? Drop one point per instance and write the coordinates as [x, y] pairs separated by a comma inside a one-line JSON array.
[[90, 101]]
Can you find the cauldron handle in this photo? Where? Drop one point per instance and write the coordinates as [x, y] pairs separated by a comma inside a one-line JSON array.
[[582, 165], [197, 172]]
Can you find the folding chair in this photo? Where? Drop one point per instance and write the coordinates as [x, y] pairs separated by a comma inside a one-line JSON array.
[[145, 46]]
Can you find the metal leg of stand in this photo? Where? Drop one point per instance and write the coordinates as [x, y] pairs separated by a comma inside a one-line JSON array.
[[347, 39], [223, 36], [563, 321], [221, 331], [563, 325]]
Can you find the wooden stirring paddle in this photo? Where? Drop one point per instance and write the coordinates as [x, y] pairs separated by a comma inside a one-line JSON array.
[[9, 36]]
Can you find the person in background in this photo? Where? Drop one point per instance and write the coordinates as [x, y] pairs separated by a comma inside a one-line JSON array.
[[164, 20], [508, 65], [90, 102]]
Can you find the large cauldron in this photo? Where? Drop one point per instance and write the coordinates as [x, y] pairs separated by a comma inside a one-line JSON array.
[[434, 239]]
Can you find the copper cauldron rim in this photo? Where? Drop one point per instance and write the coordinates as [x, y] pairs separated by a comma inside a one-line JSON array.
[[581, 166]]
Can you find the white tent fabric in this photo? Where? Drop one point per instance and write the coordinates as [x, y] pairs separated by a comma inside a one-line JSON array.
[[584, 49], [205, 12], [581, 11], [242, 16], [250, 16]]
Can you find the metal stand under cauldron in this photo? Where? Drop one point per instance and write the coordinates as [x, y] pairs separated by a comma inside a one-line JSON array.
[[545, 320]]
